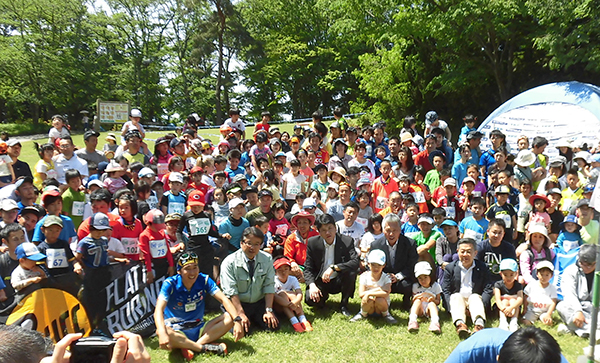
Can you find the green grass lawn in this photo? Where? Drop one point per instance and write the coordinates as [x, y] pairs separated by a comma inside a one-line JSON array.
[[335, 339]]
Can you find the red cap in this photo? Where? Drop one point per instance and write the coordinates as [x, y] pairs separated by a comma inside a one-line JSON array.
[[196, 198], [284, 261], [196, 169], [156, 217], [49, 192]]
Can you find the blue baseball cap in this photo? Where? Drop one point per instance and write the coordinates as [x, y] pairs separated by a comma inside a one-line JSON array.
[[509, 264], [449, 222], [100, 221], [29, 251], [570, 218]]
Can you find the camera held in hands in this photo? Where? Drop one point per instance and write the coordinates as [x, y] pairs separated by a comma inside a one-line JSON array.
[[92, 350]]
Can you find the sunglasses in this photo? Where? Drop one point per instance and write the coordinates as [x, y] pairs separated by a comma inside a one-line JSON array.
[[187, 257]]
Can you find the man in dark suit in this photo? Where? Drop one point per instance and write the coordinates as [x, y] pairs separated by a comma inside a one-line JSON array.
[[401, 254], [467, 285], [331, 265]]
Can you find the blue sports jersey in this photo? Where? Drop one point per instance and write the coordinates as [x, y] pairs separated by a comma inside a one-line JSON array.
[[232, 173], [183, 305], [94, 251], [409, 228], [67, 232], [174, 203], [470, 228]]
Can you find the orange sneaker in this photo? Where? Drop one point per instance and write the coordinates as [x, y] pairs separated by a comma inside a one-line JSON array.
[[188, 355], [298, 328], [307, 326]]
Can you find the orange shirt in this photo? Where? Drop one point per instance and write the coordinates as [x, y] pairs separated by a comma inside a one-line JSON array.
[[381, 192], [295, 249]]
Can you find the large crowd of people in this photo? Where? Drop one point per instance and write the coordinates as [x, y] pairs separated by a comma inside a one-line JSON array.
[[265, 221]]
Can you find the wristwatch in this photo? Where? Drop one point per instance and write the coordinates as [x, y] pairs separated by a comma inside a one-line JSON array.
[[269, 310], [333, 267], [237, 319]]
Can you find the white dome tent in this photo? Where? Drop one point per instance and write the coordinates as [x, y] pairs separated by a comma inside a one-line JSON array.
[[556, 111]]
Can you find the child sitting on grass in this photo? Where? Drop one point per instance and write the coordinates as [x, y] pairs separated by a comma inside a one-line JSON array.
[[374, 289], [426, 298], [569, 237], [288, 295], [509, 295], [540, 296]]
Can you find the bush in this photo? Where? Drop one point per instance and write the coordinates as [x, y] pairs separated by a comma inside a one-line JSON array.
[[25, 129]]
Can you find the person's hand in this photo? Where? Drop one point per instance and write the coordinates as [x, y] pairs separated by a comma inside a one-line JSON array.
[[444, 264], [36, 280], [60, 353], [579, 319], [163, 340], [421, 249], [226, 235], [77, 269], [245, 323], [238, 330], [149, 277], [314, 293], [546, 318], [129, 349], [327, 275], [3, 248], [393, 278], [270, 319], [508, 312], [291, 305], [295, 268]]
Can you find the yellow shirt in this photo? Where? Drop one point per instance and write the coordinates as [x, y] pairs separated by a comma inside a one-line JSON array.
[[46, 168]]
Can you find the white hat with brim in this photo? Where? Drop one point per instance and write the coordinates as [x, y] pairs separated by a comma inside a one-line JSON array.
[[525, 158], [422, 268]]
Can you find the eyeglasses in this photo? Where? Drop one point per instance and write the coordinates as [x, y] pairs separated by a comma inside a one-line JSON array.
[[587, 264], [253, 245]]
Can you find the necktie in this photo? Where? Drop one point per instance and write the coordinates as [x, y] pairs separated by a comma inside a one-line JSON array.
[[251, 268]]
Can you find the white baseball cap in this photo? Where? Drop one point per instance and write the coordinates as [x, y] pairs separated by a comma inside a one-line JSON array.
[[175, 177], [136, 113], [422, 268], [235, 202], [376, 256]]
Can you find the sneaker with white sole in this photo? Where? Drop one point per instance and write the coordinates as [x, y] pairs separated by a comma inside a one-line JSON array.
[[218, 349]]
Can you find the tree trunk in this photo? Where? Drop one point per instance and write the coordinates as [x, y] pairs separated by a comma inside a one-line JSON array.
[[221, 30]]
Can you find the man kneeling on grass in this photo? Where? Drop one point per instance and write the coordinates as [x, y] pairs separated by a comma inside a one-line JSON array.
[[179, 313]]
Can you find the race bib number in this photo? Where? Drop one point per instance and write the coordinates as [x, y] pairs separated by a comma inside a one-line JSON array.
[[569, 245], [450, 212], [469, 233], [56, 258], [152, 202], [199, 226], [381, 202], [419, 197], [190, 307], [158, 248], [130, 245], [292, 190], [506, 218], [77, 209], [175, 207], [476, 193], [162, 168]]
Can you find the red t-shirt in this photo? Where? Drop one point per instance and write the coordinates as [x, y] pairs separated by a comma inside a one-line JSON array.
[[129, 236], [154, 246], [422, 159], [280, 227], [381, 193], [84, 227], [322, 157], [260, 126]]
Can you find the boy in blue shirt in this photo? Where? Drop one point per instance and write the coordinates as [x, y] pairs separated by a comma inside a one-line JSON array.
[[475, 226], [469, 126], [234, 167], [174, 201]]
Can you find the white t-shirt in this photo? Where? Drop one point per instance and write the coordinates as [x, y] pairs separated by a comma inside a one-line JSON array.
[[54, 134], [61, 164], [294, 184], [129, 126], [5, 161], [539, 299], [290, 285], [434, 289], [239, 124], [369, 164], [115, 245], [367, 281], [368, 239], [355, 231]]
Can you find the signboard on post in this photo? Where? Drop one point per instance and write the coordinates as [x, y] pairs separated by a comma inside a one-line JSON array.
[[112, 111]]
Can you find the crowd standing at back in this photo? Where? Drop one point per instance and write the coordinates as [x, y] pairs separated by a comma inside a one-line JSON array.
[[250, 217]]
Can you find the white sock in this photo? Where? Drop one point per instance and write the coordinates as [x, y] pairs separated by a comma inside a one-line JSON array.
[[385, 313], [435, 319], [302, 318], [294, 320], [362, 312], [412, 317], [503, 318]]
